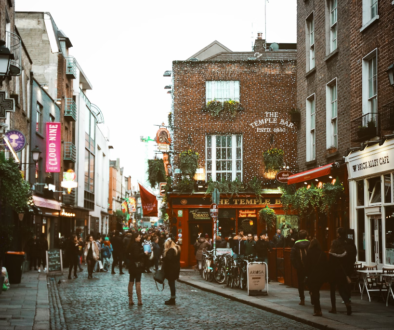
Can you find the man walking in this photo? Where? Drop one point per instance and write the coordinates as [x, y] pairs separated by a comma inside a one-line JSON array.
[[298, 258], [117, 247]]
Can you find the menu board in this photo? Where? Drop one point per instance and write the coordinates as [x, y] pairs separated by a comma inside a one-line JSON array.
[[54, 260]]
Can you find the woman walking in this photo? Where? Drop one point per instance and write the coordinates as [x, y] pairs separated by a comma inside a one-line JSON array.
[[136, 256], [171, 266], [316, 270], [72, 253], [91, 255]]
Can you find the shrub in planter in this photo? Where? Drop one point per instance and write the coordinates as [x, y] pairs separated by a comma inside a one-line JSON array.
[[295, 115], [273, 159], [188, 162], [214, 107], [368, 131], [268, 217], [156, 172], [185, 185], [232, 107]]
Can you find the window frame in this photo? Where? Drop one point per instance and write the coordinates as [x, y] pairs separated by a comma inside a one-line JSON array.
[[332, 121], [310, 42], [369, 103], [39, 115], [311, 132], [370, 12], [333, 25], [214, 86]]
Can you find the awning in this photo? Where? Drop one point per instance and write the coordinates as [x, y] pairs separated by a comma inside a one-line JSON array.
[[47, 203], [311, 174]]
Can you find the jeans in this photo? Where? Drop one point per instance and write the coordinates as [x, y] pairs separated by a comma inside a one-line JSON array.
[[98, 265], [200, 264], [91, 263], [156, 261], [106, 263], [79, 263], [117, 260], [171, 283], [301, 283], [73, 263], [33, 261], [315, 295]]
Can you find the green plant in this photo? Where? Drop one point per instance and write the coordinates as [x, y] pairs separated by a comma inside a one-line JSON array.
[[188, 162], [225, 187], [156, 172], [185, 185], [273, 159], [232, 107], [14, 191], [170, 118], [214, 107], [6, 236], [255, 185], [120, 216], [331, 194], [268, 217]]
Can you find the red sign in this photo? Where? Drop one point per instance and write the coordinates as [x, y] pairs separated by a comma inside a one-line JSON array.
[[53, 139], [149, 203], [283, 176]]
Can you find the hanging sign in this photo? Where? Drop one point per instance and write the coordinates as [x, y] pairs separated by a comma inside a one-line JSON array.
[[53, 147], [199, 214], [6, 105], [132, 205], [283, 176], [149, 203], [17, 140], [163, 139]]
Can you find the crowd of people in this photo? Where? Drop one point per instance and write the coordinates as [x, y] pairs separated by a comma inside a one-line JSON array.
[[36, 249]]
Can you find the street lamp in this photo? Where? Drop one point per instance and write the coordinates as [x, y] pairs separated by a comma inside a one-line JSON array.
[[36, 154], [390, 72], [5, 59]]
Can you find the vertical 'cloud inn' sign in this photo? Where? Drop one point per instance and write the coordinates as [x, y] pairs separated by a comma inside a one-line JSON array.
[[53, 139]]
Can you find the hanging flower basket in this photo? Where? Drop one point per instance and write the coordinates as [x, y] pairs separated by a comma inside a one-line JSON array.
[[268, 217], [232, 107], [214, 107], [273, 159], [188, 162], [156, 172]]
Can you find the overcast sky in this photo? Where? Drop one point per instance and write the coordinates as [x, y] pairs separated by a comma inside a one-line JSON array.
[[124, 47]]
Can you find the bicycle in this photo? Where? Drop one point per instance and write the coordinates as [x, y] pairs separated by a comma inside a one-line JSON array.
[[220, 269], [243, 279], [207, 273]]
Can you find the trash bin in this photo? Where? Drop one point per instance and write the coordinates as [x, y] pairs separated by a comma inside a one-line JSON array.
[[13, 263]]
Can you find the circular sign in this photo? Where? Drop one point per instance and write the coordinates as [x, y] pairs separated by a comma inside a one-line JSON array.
[[17, 140], [283, 176]]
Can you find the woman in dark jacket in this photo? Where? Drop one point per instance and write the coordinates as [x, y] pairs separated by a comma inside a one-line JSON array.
[[316, 270], [136, 256], [337, 262], [72, 253], [42, 248], [171, 266]]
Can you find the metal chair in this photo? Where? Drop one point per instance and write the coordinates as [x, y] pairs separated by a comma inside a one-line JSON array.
[[372, 281], [388, 282], [355, 277]]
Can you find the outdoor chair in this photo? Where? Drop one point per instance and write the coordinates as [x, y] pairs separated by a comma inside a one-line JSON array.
[[388, 282], [356, 278]]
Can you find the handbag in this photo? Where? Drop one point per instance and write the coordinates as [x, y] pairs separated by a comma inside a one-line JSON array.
[[159, 278]]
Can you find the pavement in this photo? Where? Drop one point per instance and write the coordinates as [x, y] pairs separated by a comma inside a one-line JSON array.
[[283, 300]]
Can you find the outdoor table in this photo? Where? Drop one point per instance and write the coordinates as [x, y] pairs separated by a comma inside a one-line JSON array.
[[389, 281], [364, 273]]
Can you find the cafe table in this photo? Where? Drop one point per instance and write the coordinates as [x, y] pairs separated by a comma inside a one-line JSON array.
[[388, 278]]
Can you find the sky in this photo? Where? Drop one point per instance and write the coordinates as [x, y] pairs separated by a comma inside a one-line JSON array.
[[124, 47]]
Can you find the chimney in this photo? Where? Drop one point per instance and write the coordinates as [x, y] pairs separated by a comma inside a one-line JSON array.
[[259, 43]]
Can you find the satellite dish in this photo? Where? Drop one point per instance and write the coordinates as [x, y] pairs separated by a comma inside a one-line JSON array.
[[274, 47]]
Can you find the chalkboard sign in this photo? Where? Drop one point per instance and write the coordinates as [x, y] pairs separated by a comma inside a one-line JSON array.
[[54, 260]]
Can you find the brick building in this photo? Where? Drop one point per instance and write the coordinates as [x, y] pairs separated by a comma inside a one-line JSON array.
[[231, 147], [370, 163]]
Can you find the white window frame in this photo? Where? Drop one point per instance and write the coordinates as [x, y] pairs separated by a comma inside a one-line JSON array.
[[213, 158], [310, 131], [222, 90], [332, 114], [310, 43], [27, 161], [370, 12], [333, 24], [23, 92], [28, 97], [369, 102]]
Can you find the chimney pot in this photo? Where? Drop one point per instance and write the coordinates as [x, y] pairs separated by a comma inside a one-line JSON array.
[[259, 35]]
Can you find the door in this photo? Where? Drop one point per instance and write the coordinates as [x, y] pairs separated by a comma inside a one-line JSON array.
[[376, 239]]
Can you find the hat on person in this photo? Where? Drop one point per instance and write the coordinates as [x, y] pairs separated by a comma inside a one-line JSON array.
[[106, 239]]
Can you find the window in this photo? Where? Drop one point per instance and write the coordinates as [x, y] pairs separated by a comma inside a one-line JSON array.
[[51, 118], [28, 98], [333, 25], [310, 128], [222, 90], [224, 157], [39, 111], [387, 188], [360, 192], [332, 115], [24, 96], [89, 171], [374, 190], [90, 126], [310, 43], [372, 85], [90, 130], [389, 235], [370, 88], [370, 10]]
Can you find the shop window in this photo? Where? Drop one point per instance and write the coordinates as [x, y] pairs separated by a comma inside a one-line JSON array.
[[360, 193], [387, 188], [361, 235], [390, 235], [222, 90], [375, 190]]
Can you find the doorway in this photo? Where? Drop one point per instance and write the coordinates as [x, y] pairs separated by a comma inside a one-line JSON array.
[[376, 240]]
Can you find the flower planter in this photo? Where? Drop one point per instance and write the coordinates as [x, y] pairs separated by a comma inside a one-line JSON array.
[[365, 133], [332, 151]]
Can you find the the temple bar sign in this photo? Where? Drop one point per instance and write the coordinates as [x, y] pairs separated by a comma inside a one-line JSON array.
[[248, 201], [269, 119]]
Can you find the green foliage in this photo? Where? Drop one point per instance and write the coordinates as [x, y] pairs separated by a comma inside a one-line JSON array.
[[268, 217], [185, 185], [214, 108], [255, 185], [156, 172], [331, 194], [188, 162], [14, 191], [225, 187], [232, 107], [6, 236], [273, 159], [120, 216]]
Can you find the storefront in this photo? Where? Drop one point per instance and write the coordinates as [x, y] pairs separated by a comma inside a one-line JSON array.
[[371, 174], [189, 217]]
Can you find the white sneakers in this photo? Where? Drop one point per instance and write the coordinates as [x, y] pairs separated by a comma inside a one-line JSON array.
[[39, 270]]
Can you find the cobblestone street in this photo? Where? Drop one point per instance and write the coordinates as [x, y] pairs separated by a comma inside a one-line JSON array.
[[102, 303]]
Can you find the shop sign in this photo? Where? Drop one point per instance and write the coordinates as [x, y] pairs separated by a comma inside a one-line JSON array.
[[199, 214], [180, 213], [53, 147], [272, 118], [283, 176], [67, 214], [247, 214], [132, 204], [17, 140], [245, 201], [257, 278], [163, 139]]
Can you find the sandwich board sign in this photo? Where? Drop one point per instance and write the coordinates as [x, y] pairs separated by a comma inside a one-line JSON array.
[[257, 278]]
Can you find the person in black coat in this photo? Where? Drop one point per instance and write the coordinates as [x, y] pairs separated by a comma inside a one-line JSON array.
[[42, 247], [291, 238], [136, 256], [156, 252], [117, 246], [32, 251], [315, 271], [171, 266], [72, 253], [262, 247]]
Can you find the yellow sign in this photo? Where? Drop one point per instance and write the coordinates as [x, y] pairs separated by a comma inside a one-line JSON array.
[[247, 214]]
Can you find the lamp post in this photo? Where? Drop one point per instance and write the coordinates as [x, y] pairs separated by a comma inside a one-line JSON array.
[[390, 72], [5, 59], [36, 152]]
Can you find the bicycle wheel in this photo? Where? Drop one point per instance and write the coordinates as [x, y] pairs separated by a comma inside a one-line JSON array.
[[242, 282]]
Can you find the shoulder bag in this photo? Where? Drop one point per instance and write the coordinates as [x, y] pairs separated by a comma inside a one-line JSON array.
[[159, 278]]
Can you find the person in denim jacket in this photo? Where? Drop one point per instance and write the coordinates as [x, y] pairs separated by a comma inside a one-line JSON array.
[[106, 252]]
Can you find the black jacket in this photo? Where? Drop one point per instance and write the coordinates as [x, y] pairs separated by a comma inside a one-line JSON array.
[[135, 253], [316, 267], [32, 247], [117, 245], [337, 267], [172, 265], [291, 239], [298, 254], [156, 251], [238, 246], [262, 248], [72, 250], [278, 240]]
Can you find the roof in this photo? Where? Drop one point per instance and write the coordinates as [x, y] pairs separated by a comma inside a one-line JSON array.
[[244, 56], [213, 48], [62, 35]]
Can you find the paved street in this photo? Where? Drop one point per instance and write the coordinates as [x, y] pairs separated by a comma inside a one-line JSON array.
[[102, 303]]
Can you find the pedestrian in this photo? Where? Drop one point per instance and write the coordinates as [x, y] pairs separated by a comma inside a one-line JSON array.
[[278, 239], [156, 252], [42, 247], [32, 251], [338, 277], [171, 267], [106, 252], [250, 246], [99, 264], [147, 245], [220, 243], [262, 248], [162, 240], [315, 271], [126, 242], [91, 254], [291, 238], [117, 248], [297, 258], [72, 252], [201, 247], [136, 255], [80, 256], [238, 246]]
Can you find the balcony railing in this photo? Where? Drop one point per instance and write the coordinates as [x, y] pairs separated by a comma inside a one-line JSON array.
[[14, 44], [71, 67], [365, 127], [70, 152], [387, 117], [71, 109], [69, 199]]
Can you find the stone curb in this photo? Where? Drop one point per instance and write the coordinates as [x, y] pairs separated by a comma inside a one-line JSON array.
[[288, 312], [57, 320]]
